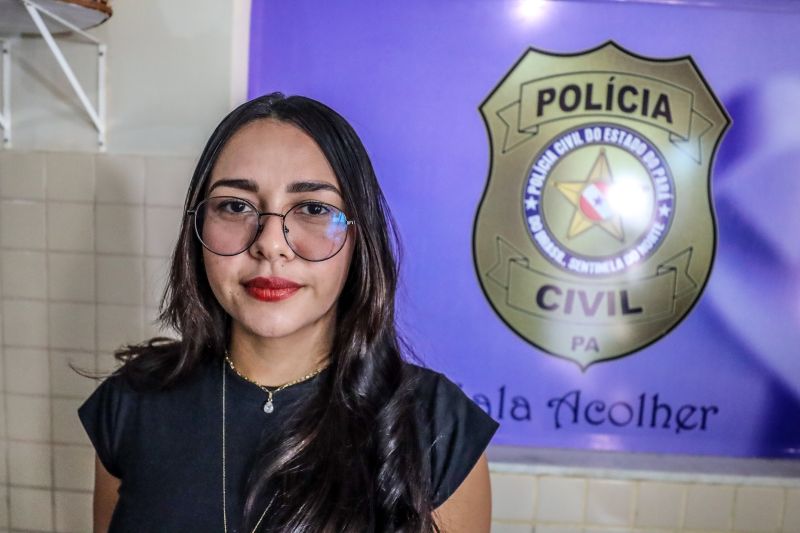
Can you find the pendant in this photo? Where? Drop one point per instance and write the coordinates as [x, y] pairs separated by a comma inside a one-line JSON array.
[[268, 407]]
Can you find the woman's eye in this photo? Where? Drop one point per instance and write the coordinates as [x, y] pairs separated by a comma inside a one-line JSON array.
[[314, 209], [234, 207]]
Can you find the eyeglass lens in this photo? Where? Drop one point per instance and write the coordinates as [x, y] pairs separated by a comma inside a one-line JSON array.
[[228, 226]]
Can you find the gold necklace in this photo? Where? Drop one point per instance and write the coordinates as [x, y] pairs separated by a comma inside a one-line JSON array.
[[224, 477], [269, 406]]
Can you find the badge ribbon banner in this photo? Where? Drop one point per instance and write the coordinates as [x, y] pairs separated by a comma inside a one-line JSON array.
[[641, 300], [605, 93]]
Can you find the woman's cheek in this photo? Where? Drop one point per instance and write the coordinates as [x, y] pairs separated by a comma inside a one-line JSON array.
[[222, 287]]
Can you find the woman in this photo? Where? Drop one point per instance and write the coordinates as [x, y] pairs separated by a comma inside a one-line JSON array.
[[286, 405]]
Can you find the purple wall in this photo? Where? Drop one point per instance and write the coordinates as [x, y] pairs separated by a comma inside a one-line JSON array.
[[410, 77]]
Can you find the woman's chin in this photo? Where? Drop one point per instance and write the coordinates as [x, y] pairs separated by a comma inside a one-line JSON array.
[[272, 331], [276, 327]]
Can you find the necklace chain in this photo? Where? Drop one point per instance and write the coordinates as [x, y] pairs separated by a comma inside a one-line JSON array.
[[268, 404], [224, 477]]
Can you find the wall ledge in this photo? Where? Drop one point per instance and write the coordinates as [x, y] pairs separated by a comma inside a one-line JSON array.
[[644, 466]]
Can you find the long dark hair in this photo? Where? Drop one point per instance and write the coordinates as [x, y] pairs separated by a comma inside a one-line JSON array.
[[350, 461]]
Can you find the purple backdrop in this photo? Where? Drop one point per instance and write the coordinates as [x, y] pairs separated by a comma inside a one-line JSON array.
[[410, 77]]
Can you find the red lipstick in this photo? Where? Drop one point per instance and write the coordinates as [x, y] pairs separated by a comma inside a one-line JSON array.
[[272, 289]]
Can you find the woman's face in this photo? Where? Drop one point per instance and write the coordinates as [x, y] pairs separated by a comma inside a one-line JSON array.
[[275, 166]]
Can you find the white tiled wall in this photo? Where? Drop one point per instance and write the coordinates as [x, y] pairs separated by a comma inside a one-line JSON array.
[[84, 241], [84, 246], [558, 504]]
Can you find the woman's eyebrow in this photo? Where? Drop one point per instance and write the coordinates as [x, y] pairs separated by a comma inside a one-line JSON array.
[[311, 186], [294, 187], [236, 183]]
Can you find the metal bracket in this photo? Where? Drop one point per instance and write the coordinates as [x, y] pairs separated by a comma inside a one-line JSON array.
[[96, 114]]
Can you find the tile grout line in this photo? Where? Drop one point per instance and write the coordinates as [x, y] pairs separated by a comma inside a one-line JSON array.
[[94, 201], [95, 282], [2, 384], [782, 512], [55, 443], [94, 288], [682, 510], [143, 319], [43, 487], [73, 302], [66, 251], [41, 395], [49, 336], [585, 506], [6, 451]]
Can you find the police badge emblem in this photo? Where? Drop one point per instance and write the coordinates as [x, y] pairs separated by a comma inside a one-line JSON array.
[[595, 234]]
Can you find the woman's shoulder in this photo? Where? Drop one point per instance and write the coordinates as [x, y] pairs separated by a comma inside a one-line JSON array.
[[452, 429], [443, 399], [104, 415], [128, 404], [423, 377], [136, 381]]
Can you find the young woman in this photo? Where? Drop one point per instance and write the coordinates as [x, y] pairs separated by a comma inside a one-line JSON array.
[[287, 404]]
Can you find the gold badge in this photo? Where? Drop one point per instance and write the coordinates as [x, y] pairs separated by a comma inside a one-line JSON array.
[[595, 234]]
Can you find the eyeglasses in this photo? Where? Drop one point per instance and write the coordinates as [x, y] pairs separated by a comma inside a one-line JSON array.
[[227, 225]]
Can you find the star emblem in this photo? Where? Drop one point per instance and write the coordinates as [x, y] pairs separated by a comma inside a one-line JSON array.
[[590, 200]]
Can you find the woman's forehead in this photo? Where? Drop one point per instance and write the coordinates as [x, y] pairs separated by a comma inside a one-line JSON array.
[[272, 154]]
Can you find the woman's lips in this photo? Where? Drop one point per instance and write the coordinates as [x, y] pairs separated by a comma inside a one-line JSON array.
[[271, 289], [270, 295]]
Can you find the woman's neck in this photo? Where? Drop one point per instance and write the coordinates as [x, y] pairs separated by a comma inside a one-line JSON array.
[[275, 361]]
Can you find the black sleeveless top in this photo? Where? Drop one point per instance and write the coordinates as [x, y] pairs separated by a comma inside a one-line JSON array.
[[166, 446]]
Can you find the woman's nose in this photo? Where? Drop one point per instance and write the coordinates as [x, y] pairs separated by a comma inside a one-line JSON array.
[[270, 242]]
